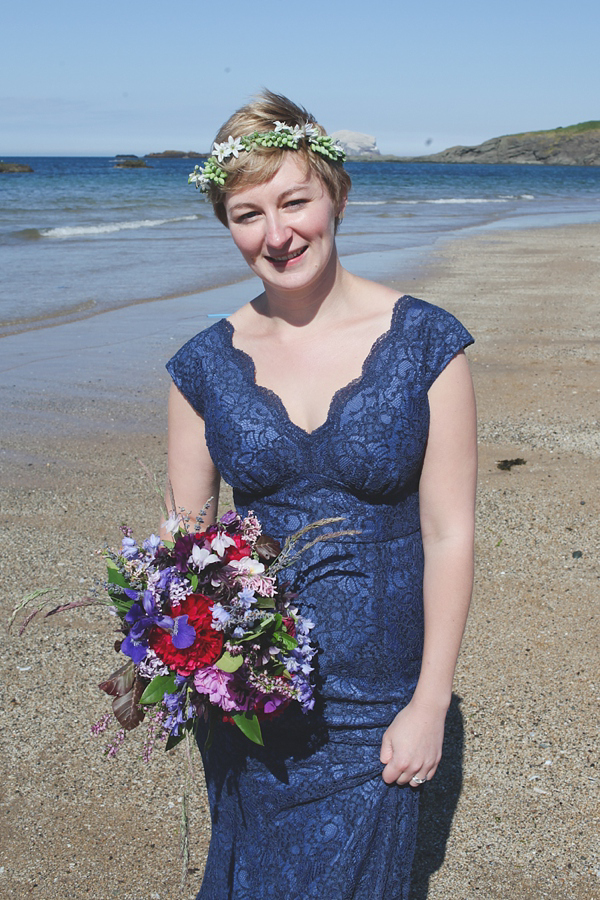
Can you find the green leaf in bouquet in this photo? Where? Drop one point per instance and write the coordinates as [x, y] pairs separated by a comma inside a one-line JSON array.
[[158, 687], [120, 602], [267, 622], [284, 640], [175, 739], [250, 726], [279, 669], [265, 603], [194, 580], [229, 663], [251, 636], [116, 577]]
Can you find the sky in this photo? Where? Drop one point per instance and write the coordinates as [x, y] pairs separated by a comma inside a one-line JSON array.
[[95, 79]]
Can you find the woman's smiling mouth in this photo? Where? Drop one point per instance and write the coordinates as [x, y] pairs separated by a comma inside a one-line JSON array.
[[288, 256]]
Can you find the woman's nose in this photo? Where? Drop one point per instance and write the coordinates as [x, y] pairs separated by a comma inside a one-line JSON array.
[[277, 233]]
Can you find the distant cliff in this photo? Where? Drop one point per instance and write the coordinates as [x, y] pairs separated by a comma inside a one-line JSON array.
[[14, 167], [357, 145], [576, 145]]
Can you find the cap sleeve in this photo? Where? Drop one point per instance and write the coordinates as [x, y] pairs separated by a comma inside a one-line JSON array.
[[186, 369], [440, 336]]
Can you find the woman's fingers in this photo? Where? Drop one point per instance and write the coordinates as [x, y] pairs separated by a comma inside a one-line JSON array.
[[416, 779]]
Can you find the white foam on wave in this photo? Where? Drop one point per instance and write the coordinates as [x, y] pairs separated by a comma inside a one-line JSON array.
[[67, 231], [443, 200], [450, 200]]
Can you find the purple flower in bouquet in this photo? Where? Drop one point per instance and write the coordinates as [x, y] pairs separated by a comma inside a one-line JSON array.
[[182, 551], [129, 548], [220, 616], [151, 545], [245, 598], [177, 707], [272, 702], [305, 692], [142, 618]]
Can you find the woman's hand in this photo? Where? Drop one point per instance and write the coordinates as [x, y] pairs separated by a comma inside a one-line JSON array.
[[412, 745]]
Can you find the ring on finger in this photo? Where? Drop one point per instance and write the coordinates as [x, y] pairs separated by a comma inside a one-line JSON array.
[[415, 780]]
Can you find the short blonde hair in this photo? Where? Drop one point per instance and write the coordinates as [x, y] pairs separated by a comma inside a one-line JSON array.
[[262, 163]]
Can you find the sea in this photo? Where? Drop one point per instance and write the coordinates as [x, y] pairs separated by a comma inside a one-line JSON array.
[[79, 236]]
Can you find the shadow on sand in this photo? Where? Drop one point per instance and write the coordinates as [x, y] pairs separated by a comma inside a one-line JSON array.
[[438, 803]]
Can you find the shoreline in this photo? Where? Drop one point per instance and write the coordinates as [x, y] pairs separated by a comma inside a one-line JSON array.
[[514, 810], [377, 265]]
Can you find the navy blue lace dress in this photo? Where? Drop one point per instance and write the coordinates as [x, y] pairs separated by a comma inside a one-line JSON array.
[[308, 817]]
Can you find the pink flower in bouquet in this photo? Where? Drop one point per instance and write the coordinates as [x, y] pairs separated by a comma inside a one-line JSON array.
[[224, 689], [207, 645]]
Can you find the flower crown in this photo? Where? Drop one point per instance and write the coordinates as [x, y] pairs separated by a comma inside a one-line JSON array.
[[282, 136]]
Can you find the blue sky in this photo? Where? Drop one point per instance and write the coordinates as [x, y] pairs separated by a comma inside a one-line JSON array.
[[78, 78]]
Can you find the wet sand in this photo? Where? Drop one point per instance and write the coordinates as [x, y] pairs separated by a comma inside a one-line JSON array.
[[514, 810]]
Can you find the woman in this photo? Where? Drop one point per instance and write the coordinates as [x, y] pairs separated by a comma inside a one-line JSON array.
[[328, 395]]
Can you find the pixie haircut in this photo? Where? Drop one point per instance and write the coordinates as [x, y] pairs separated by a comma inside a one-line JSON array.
[[258, 166]]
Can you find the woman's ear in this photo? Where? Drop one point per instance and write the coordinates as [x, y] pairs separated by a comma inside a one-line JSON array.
[[340, 211]]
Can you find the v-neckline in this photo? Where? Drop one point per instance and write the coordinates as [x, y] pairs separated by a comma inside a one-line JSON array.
[[250, 367]]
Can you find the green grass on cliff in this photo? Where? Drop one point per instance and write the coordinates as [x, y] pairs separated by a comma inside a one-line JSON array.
[[593, 125]]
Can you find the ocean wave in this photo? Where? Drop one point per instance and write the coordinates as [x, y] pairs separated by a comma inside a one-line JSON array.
[[68, 231], [367, 202], [441, 201], [454, 200]]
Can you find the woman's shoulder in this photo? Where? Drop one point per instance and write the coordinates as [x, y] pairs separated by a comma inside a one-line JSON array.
[[202, 342]]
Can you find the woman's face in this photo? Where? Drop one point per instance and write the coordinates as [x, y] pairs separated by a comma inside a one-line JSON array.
[[285, 228]]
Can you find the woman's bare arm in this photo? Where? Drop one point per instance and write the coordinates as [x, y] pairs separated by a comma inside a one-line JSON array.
[[412, 744], [192, 475]]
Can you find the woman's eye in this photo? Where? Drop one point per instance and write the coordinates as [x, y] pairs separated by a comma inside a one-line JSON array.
[[296, 203], [246, 217]]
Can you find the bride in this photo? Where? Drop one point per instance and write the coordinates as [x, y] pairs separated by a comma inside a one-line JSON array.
[[329, 395]]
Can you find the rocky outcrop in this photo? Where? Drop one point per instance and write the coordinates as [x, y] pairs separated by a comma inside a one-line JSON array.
[[357, 145], [577, 145], [127, 162], [5, 167], [176, 154]]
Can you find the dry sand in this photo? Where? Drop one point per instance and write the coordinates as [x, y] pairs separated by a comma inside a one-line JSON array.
[[514, 810]]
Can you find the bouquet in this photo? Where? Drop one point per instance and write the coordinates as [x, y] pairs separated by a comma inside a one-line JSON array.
[[207, 630]]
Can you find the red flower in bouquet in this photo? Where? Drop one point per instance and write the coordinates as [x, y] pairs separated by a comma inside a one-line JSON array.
[[290, 626], [240, 550], [207, 646]]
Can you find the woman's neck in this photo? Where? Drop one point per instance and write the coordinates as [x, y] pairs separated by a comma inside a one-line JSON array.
[[301, 308]]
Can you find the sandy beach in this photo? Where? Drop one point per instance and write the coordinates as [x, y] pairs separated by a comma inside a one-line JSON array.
[[514, 811]]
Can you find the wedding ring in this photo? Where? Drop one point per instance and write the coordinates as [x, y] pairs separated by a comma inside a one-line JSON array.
[[418, 780]]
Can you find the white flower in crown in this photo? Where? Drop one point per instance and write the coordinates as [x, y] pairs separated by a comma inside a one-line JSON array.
[[338, 148], [297, 133], [230, 147], [198, 178], [283, 126], [311, 131]]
